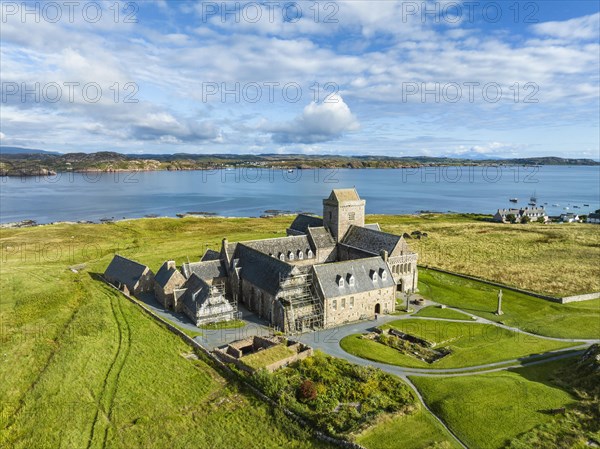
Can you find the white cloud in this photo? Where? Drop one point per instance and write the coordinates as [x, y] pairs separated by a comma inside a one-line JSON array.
[[580, 28], [317, 123]]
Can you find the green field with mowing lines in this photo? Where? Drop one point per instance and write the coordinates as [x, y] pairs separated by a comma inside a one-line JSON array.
[[438, 312], [539, 316], [471, 344], [487, 410]]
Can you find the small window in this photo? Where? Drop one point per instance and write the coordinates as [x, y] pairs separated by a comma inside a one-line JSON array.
[[352, 302], [300, 255], [351, 281], [309, 253], [343, 303], [281, 256], [291, 255], [384, 275], [374, 276], [351, 216], [341, 282], [334, 304]]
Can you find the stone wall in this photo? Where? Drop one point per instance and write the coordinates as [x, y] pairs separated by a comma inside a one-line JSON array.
[[578, 298], [364, 306]]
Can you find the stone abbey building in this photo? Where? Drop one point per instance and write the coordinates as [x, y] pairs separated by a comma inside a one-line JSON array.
[[327, 271]]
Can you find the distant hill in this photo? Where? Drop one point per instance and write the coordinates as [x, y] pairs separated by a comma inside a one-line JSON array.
[[19, 150]]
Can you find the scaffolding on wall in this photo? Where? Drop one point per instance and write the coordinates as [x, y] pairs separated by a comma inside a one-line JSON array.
[[302, 307], [218, 290]]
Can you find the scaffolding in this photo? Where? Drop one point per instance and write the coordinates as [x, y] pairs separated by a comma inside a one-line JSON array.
[[218, 290], [302, 307]]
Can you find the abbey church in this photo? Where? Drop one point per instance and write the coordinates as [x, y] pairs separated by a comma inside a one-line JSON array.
[[327, 271]]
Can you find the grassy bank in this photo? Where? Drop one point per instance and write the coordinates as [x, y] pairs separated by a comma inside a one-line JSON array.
[[487, 410], [471, 344], [574, 320]]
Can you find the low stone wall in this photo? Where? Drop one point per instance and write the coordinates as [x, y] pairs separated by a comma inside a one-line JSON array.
[[578, 298], [294, 358], [227, 372], [563, 300]]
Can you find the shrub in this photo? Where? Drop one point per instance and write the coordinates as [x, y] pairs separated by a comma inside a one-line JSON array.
[[307, 391], [525, 219]]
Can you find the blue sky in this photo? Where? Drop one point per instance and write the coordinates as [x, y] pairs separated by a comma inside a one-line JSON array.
[[448, 78]]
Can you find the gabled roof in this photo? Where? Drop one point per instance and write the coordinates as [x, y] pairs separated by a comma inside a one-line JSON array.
[[373, 226], [209, 269], [373, 242], [279, 245], [210, 254], [328, 276], [304, 221], [124, 271], [262, 270], [343, 195], [164, 274], [197, 291], [321, 237]]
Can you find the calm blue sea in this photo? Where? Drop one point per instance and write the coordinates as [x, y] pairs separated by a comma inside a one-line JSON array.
[[251, 192]]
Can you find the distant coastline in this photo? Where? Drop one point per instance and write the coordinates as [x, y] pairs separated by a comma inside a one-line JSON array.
[[49, 164]]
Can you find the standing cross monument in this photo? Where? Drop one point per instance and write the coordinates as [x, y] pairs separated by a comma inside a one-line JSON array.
[[499, 311]]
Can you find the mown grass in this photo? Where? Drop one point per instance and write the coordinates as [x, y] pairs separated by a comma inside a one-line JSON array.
[[488, 410], [418, 430], [555, 259], [438, 312], [231, 324], [472, 344], [574, 320]]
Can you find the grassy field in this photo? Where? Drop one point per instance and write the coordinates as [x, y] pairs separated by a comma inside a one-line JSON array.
[[574, 320], [555, 259], [437, 312], [471, 344], [267, 356], [76, 352], [487, 410], [418, 430]]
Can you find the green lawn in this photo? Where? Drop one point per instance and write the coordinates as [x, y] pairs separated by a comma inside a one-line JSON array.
[[472, 344], [487, 410], [267, 356], [231, 324], [437, 312], [418, 430], [576, 320]]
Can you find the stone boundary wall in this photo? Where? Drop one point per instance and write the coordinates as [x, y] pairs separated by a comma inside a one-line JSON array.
[[291, 359], [225, 370], [563, 300]]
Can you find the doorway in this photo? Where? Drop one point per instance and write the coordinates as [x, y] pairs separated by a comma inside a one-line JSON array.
[[377, 309]]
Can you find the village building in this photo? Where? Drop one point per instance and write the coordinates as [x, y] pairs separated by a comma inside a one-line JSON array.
[[594, 217], [204, 303], [569, 217], [129, 276], [533, 213]]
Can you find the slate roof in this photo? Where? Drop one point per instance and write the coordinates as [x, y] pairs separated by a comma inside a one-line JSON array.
[[594, 215], [205, 270], [280, 245], [210, 254], [124, 271], [164, 274], [373, 226], [343, 195], [327, 276], [260, 269], [321, 237], [303, 221], [197, 291], [373, 241]]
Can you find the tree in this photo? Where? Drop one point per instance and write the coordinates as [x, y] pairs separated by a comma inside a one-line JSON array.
[[511, 218], [525, 219], [541, 220]]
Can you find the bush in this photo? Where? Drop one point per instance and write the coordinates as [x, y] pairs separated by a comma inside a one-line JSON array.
[[525, 219], [307, 391]]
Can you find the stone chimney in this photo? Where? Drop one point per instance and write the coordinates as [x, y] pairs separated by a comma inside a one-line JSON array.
[[384, 255], [171, 265]]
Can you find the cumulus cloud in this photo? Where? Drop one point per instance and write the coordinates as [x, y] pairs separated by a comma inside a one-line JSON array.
[[164, 127], [579, 28], [319, 122]]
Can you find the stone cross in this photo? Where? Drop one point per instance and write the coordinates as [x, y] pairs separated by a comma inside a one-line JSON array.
[[499, 311]]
